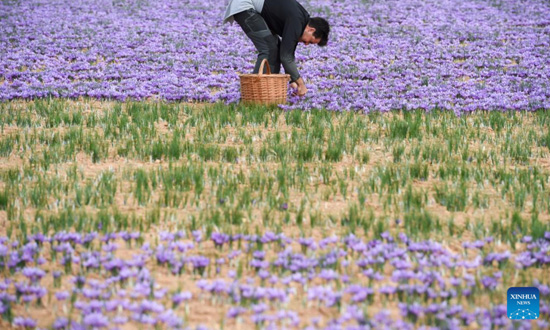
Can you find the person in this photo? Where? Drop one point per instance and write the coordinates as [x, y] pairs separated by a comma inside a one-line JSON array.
[[276, 27]]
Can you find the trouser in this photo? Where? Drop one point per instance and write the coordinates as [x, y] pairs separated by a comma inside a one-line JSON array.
[[265, 41]]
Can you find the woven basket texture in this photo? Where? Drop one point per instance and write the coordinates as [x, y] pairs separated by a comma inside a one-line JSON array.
[[263, 88]]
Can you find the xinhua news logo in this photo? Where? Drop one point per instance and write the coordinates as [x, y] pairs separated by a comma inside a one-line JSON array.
[[523, 303]]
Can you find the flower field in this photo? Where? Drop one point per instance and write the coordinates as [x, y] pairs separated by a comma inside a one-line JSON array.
[[414, 54], [137, 193], [176, 216]]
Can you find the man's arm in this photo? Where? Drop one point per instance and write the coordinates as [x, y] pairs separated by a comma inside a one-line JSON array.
[[291, 34]]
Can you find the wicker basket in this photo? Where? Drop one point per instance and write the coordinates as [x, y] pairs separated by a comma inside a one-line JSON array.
[[263, 88]]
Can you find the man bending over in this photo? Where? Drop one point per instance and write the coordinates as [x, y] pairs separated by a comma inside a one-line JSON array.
[[275, 27]]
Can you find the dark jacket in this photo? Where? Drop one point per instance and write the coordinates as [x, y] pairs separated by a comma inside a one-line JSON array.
[[288, 19]]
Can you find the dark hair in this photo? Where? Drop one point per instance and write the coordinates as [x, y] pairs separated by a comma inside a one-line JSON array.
[[322, 29]]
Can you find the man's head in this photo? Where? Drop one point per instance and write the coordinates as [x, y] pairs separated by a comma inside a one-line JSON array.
[[316, 32]]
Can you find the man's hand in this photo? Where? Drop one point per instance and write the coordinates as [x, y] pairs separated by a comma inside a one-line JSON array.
[[299, 87]]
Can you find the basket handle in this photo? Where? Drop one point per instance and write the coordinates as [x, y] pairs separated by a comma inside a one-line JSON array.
[[264, 61]]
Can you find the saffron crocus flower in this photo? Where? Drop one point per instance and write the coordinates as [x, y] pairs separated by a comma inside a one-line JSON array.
[[525, 259], [5, 284], [258, 255], [387, 289], [144, 318], [24, 322], [263, 274], [269, 237], [199, 263], [110, 247], [89, 238], [166, 236], [234, 312], [219, 239], [4, 250], [259, 264], [180, 297], [91, 293], [147, 306], [489, 282], [307, 243], [259, 308], [234, 254], [33, 274], [328, 274], [60, 323], [169, 318], [197, 235]]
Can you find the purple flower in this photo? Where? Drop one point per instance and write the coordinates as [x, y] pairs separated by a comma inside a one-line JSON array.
[[110, 247], [62, 295], [329, 274], [197, 234], [109, 237], [199, 263], [25, 322], [263, 274], [525, 259], [3, 308], [387, 289], [527, 239], [219, 239], [79, 281], [269, 237], [111, 305], [259, 308], [386, 236], [258, 255], [169, 318], [359, 293], [234, 254], [91, 293], [88, 238], [167, 236], [147, 306], [259, 264], [5, 284], [33, 274], [307, 243], [489, 282], [4, 250], [495, 256], [60, 323], [234, 312], [114, 265], [324, 293], [291, 315], [181, 296], [144, 318], [415, 309]]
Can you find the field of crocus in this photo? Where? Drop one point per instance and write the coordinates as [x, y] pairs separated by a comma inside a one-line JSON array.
[[409, 189], [459, 56], [173, 216]]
